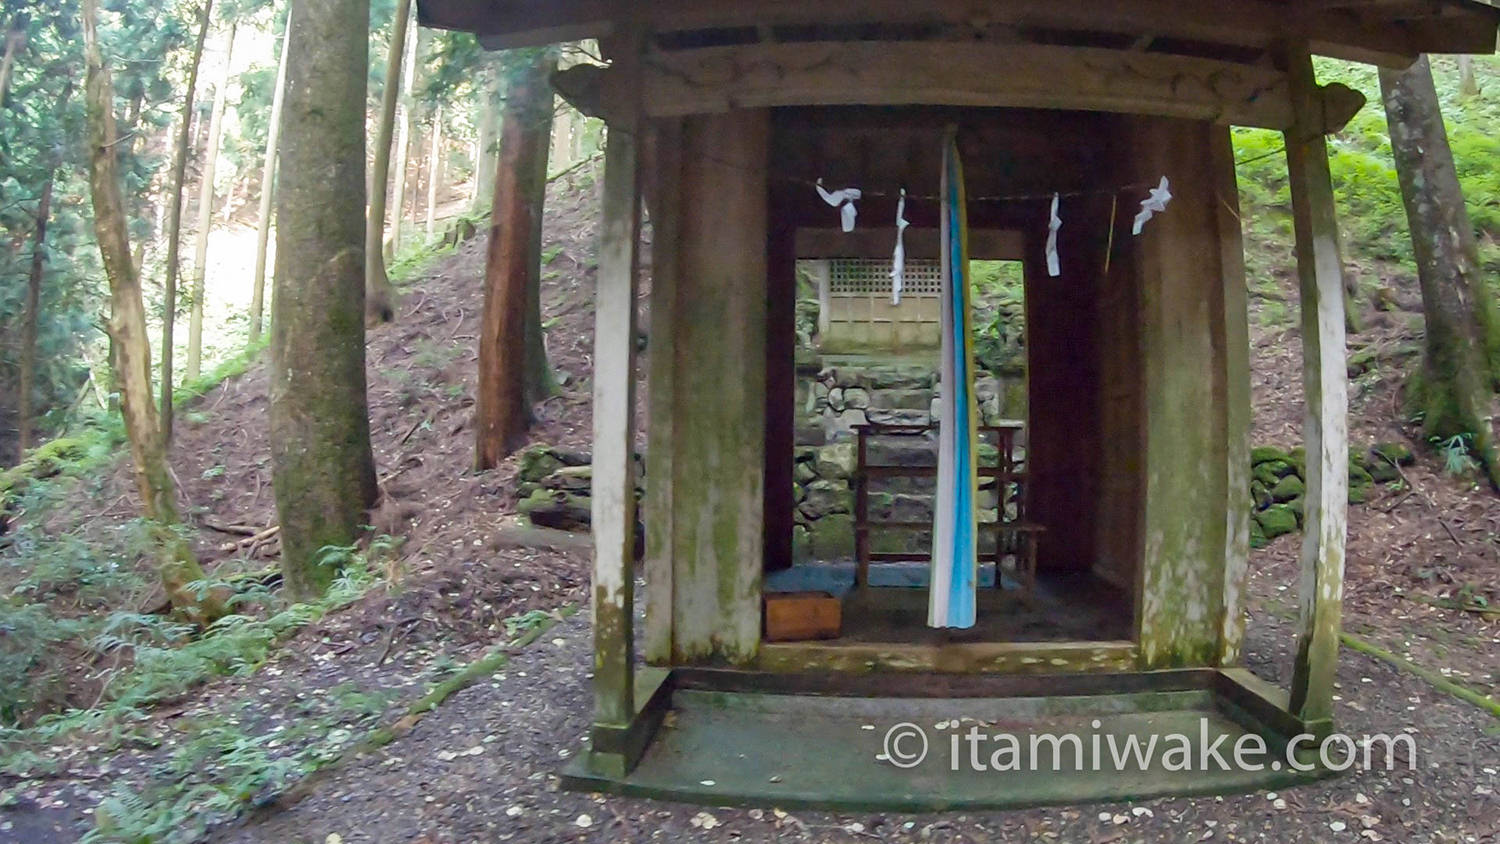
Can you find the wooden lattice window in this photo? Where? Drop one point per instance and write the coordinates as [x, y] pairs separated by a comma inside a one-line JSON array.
[[872, 276]]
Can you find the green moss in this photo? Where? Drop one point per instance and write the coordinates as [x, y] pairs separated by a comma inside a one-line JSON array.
[[1267, 454], [1394, 452], [1276, 520], [1271, 473], [1257, 536], [1358, 476], [1260, 496], [1288, 488]]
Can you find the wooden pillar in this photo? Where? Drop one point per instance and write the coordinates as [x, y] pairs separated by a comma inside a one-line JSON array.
[[1182, 331], [662, 351], [781, 386], [1235, 338], [719, 431], [1326, 427], [614, 419]]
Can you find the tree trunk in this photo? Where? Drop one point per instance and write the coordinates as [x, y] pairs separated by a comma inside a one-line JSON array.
[[403, 146], [15, 40], [132, 351], [206, 214], [486, 154], [322, 467], [1468, 83], [513, 264], [267, 193], [1457, 382], [378, 295], [174, 221], [33, 309], [434, 167]]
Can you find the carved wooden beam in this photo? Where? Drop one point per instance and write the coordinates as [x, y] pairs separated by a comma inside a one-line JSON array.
[[718, 79]]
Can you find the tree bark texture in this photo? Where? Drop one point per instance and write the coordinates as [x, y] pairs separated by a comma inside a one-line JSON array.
[[132, 350], [174, 221], [267, 195], [206, 214], [25, 410], [322, 467], [513, 263], [377, 282], [1456, 386]]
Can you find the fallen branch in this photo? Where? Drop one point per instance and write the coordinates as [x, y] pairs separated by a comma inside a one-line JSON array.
[[1433, 678], [253, 539], [566, 170], [224, 527]]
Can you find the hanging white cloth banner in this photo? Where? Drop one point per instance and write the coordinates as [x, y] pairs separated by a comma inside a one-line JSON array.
[[1054, 266], [898, 258], [844, 201], [1152, 205], [951, 595]]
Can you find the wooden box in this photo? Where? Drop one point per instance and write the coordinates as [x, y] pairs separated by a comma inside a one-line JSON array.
[[800, 616]]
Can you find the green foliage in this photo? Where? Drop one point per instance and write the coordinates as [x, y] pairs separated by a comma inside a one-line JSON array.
[[1456, 451], [1371, 215], [998, 289]]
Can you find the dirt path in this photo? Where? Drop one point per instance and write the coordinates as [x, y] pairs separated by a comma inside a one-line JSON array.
[[434, 786]]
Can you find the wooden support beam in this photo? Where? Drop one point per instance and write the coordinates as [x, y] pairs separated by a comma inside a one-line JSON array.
[[662, 351], [614, 422], [1321, 276], [718, 79], [1235, 337]]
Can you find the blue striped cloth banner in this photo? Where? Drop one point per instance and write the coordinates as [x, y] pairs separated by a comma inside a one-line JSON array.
[[955, 557]]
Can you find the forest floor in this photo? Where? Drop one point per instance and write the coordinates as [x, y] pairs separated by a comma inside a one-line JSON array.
[[482, 764]]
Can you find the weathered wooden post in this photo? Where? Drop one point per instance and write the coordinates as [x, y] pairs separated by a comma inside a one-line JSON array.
[[1325, 381], [614, 411]]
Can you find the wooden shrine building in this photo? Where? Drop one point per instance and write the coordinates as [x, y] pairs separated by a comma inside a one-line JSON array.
[[721, 115]]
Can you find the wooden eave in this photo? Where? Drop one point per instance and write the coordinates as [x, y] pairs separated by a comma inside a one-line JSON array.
[[1386, 32]]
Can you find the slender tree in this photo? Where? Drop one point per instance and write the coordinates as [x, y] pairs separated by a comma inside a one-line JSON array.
[[1468, 83], [33, 312], [15, 41], [434, 168], [1461, 359], [486, 151], [206, 212], [403, 145], [174, 219], [132, 350], [510, 354], [378, 294], [322, 467], [267, 193]]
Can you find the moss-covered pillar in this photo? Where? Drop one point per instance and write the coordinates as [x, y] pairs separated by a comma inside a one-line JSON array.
[[1320, 274], [1177, 263], [662, 351], [614, 419], [1234, 334], [719, 416]]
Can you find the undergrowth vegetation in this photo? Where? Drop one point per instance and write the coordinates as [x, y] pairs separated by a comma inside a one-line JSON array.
[[1372, 218]]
